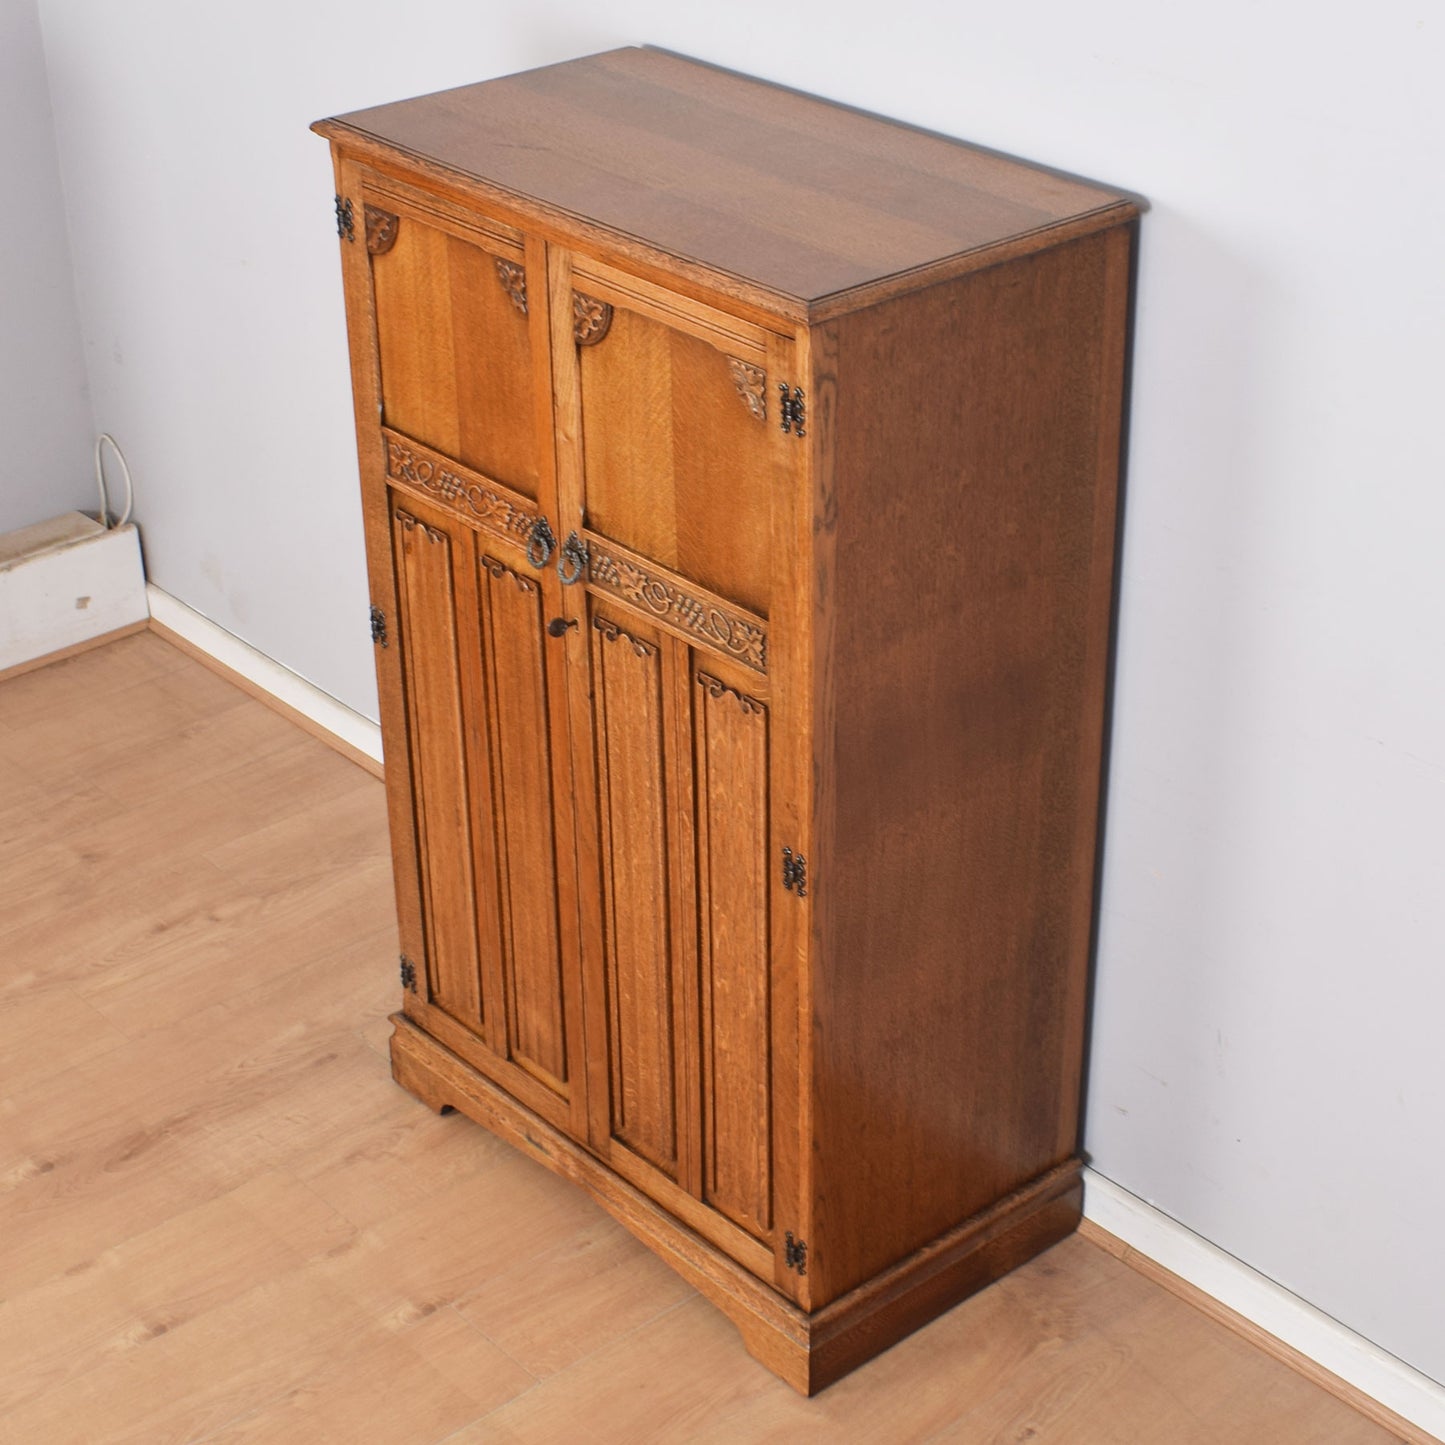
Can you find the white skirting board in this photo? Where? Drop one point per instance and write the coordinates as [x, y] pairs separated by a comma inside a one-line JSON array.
[[1330, 1344], [283, 684], [1273, 1308], [65, 582]]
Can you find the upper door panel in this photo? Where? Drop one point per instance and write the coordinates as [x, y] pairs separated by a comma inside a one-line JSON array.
[[679, 436], [454, 340]]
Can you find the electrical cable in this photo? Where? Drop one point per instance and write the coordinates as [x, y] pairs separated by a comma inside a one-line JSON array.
[[105, 521]]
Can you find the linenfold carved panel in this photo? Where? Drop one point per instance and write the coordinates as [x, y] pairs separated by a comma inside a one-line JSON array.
[[466, 493], [706, 618]]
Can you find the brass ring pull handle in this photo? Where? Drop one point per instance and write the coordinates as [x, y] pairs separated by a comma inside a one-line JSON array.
[[540, 543], [573, 561]]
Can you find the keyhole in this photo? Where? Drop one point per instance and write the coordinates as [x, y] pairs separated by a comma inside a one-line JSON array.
[[558, 626]]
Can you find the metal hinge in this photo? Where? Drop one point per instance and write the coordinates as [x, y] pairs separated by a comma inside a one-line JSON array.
[[791, 409], [795, 872], [408, 973], [345, 219], [378, 626], [795, 1254]]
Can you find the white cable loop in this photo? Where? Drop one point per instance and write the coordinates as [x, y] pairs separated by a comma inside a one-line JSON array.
[[100, 482]]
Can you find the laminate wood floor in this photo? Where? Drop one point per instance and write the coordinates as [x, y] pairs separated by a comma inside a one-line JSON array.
[[221, 1221]]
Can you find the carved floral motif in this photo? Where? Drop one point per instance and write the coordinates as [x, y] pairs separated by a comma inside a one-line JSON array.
[[500, 515], [381, 229], [514, 282], [590, 319], [716, 687], [738, 637], [751, 382]]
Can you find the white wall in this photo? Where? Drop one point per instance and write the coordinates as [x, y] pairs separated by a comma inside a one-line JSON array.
[[1267, 1044], [45, 423]]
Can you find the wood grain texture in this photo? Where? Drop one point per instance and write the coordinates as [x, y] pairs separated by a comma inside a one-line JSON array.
[[677, 603], [524, 820], [377, 527], [629, 687], [810, 1352], [731, 731], [429, 559], [74, 650], [442, 481], [804, 198], [675, 467], [819, 1073], [455, 353], [223, 1221], [1249, 1332], [374, 766], [794, 743], [967, 577]]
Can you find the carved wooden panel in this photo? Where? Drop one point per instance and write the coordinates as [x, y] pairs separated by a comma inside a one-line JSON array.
[[446, 483], [517, 707], [427, 562], [456, 354], [634, 813], [676, 468], [731, 737], [681, 607]]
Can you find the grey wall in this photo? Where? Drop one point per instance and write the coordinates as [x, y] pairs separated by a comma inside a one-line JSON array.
[[45, 423], [1266, 1062]]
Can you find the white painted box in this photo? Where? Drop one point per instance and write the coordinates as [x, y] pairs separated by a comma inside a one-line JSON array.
[[64, 582]]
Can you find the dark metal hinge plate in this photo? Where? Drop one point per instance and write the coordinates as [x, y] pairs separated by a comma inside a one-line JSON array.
[[795, 1254], [408, 973], [795, 873], [345, 219], [378, 626], [792, 410]]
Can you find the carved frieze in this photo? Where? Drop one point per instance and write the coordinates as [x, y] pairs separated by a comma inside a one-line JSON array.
[[467, 495], [514, 282], [381, 229], [725, 629], [590, 319], [751, 382]]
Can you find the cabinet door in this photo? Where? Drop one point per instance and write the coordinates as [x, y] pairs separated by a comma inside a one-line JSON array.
[[676, 456], [681, 760], [467, 475], [479, 679]]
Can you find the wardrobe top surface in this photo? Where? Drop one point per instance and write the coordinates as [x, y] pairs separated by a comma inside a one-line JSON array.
[[795, 195]]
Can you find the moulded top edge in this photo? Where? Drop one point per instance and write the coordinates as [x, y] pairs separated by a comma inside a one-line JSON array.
[[802, 199]]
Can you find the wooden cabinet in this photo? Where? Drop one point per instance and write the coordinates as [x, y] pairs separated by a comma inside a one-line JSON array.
[[739, 477]]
